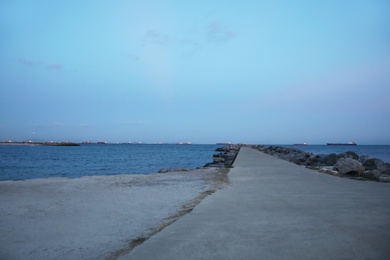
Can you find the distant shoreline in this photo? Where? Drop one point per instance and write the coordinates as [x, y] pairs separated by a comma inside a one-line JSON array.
[[41, 143]]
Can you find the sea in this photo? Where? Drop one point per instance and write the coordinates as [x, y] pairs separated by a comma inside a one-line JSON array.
[[21, 162]]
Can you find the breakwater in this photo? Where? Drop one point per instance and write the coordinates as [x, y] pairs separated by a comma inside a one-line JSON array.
[[225, 157], [347, 164]]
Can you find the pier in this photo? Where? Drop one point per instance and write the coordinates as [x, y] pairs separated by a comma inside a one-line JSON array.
[[274, 209]]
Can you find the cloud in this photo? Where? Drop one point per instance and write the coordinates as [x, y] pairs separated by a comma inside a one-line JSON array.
[[219, 33], [132, 57], [153, 36], [191, 46], [32, 63], [213, 32], [29, 63], [132, 123], [47, 125], [54, 66]]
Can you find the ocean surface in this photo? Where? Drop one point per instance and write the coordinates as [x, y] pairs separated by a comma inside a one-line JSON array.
[[29, 162], [19, 162]]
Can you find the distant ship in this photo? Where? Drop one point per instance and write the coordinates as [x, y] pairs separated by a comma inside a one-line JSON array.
[[347, 143], [224, 143], [102, 142], [303, 144], [185, 143]]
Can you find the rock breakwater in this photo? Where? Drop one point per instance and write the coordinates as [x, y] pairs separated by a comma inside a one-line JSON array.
[[223, 159], [348, 164], [226, 156]]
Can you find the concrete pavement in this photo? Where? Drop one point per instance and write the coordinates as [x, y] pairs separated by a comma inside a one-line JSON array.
[[274, 209]]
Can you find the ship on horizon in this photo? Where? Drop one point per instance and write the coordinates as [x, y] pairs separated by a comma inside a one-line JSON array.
[[347, 143], [302, 144], [224, 143]]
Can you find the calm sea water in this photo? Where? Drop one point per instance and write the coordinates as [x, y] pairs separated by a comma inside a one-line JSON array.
[[30, 162], [375, 151]]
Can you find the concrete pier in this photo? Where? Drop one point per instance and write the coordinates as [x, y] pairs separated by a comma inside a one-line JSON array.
[[274, 209]]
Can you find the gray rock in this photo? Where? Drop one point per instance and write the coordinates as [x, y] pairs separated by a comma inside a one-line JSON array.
[[322, 158], [372, 174], [180, 170], [350, 154], [331, 159], [384, 178], [387, 171], [163, 170], [218, 159], [218, 165], [348, 163], [349, 166], [374, 164], [363, 158], [226, 158], [312, 161]]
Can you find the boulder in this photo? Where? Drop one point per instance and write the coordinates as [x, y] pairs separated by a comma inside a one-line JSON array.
[[363, 158], [328, 170], [218, 159], [349, 166], [180, 170], [384, 178], [387, 171], [350, 154], [331, 159], [374, 164], [372, 174], [322, 158], [163, 170], [299, 159], [312, 161]]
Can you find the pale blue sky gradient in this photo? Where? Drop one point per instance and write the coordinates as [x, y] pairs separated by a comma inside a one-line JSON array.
[[202, 71]]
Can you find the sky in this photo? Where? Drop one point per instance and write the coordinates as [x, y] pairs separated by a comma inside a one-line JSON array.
[[263, 72]]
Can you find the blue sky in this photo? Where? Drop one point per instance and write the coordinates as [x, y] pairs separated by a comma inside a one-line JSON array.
[[203, 71]]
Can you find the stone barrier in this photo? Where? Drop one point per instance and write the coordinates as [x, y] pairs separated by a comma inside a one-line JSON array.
[[348, 164], [226, 156]]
